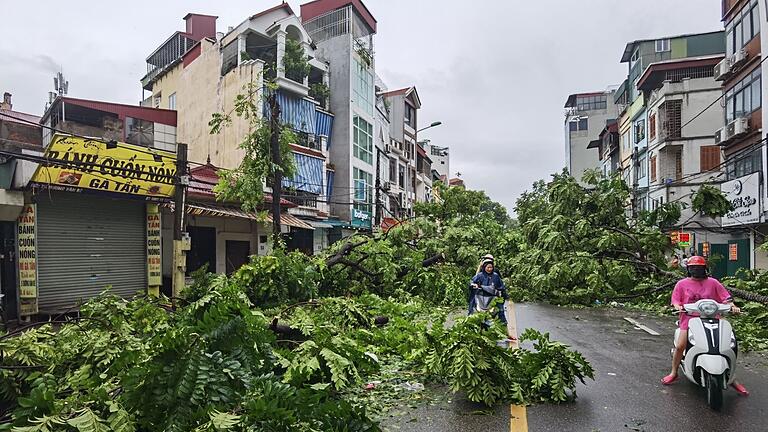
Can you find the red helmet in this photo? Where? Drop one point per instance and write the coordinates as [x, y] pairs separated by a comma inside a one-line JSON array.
[[697, 261]]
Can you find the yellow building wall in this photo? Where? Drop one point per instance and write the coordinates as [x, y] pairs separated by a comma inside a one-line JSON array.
[[201, 91], [167, 85]]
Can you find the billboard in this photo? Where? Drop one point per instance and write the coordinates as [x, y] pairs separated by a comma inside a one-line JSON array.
[[744, 195], [80, 164]]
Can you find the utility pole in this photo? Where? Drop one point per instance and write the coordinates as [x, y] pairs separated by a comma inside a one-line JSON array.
[[277, 183], [180, 244], [378, 188]]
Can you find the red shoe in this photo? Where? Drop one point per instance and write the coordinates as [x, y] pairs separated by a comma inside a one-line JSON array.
[[669, 379], [740, 389]]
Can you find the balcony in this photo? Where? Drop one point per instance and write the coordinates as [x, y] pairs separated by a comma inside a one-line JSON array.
[[165, 57]]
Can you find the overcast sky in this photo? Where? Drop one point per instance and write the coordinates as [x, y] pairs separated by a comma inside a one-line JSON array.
[[496, 73]]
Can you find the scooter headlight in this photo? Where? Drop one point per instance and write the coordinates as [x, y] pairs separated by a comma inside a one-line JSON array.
[[708, 308], [733, 342], [690, 339]]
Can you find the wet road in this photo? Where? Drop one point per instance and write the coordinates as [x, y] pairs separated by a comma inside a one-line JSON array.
[[626, 394]]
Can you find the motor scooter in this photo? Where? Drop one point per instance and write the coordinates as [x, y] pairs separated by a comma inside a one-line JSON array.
[[709, 359]]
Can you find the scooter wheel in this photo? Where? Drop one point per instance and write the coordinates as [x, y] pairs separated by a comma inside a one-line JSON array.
[[714, 391]]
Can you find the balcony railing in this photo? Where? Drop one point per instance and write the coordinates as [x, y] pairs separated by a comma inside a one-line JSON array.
[[168, 53]]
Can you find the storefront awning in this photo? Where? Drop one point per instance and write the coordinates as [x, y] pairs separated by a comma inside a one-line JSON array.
[[199, 209], [320, 224]]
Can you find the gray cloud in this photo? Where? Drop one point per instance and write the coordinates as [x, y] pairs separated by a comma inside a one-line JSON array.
[[496, 73]]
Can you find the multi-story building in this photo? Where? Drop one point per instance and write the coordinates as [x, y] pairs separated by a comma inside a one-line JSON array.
[[633, 117], [200, 72], [682, 153], [607, 145], [343, 33], [404, 152], [441, 161], [741, 135], [586, 116]]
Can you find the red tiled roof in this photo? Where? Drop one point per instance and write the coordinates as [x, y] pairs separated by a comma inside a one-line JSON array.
[[203, 178], [307, 151], [23, 118], [163, 116], [272, 9]]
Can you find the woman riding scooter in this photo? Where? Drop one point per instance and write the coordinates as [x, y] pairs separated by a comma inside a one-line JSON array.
[[486, 285], [697, 286]]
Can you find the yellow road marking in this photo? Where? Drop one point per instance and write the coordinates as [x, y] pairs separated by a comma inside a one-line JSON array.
[[518, 415]]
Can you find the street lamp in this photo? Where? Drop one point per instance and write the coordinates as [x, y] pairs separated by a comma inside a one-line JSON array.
[[437, 123]]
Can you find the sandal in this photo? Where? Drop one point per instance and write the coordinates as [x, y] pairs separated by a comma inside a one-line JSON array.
[[669, 379], [740, 389]]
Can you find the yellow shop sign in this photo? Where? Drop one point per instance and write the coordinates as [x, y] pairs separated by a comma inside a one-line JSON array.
[[77, 164]]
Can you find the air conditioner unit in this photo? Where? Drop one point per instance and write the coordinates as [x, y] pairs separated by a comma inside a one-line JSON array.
[[720, 136], [738, 58], [312, 140], [736, 128], [723, 69]]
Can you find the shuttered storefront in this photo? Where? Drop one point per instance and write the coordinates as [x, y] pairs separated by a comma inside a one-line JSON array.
[[87, 243]]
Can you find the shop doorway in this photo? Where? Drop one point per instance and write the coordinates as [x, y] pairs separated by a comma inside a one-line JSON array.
[[203, 249], [237, 253]]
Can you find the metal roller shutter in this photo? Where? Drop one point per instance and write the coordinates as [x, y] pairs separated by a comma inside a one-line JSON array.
[[88, 243]]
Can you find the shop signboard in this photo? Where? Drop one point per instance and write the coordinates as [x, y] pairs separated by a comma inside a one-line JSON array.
[[744, 195], [154, 248], [27, 259], [79, 164], [361, 219]]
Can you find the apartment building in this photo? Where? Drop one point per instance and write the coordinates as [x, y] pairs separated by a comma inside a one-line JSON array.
[[343, 32], [200, 72], [586, 115], [741, 136], [633, 116]]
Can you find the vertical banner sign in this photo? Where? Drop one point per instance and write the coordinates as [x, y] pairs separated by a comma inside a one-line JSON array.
[[154, 249], [733, 250], [27, 259]]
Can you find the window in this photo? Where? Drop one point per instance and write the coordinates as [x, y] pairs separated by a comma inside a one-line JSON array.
[[410, 116], [642, 169], [139, 132], [589, 103], [709, 158], [652, 163], [578, 124], [652, 125], [401, 176], [745, 163], [662, 45], [743, 28], [635, 57], [392, 170], [157, 100], [363, 87], [625, 141], [639, 131], [172, 101], [362, 139], [743, 98], [363, 182]]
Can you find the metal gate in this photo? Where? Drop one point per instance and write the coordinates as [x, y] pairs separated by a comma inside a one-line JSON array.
[[86, 244]]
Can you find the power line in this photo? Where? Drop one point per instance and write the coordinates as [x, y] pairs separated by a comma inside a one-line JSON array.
[[714, 101]]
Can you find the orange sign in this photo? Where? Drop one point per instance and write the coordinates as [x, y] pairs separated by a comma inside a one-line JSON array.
[[733, 250]]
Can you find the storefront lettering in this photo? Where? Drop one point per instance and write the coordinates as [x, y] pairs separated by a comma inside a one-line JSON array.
[[154, 247], [26, 239]]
